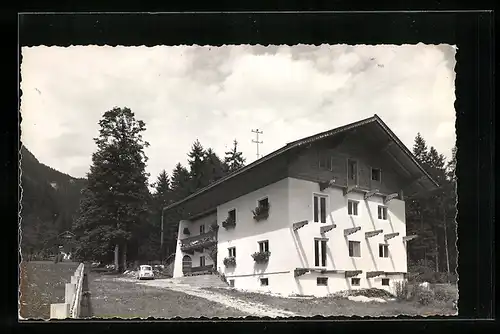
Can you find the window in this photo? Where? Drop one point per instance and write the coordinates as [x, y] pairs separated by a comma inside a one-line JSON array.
[[325, 161], [383, 250], [232, 215], [319, 208], [354, 249], [232, 251], [352, 171], [323, 281], [352, 208], [376, 174], [382, 212], [264, 281], [264, 246], [202, 261], [385, 281], [263, 203], [320, 253], [202, 229], [231, 282], [355, 281]]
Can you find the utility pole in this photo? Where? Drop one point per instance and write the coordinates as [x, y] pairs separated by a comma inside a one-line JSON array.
[[161, 237], [257, 132]]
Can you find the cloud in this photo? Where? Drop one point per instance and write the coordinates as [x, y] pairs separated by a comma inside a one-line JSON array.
[[217, 94]]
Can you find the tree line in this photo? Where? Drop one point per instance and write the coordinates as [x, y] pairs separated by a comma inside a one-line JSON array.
[[433, 254], [119, 217]]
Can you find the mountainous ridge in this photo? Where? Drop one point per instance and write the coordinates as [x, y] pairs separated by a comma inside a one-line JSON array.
[[50, 199]]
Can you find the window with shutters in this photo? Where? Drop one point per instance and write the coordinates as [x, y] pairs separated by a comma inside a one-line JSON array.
[[352, 207], [354, 249], [376, 174], [325, 161], [383, 250], [264, 246], [352, 172], [319, 208], [320, 252], [382, 212], [322, 281]]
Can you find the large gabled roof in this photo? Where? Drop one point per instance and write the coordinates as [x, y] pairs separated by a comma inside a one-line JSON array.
[[308, 140]]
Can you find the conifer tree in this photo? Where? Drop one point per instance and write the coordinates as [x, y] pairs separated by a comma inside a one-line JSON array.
[[234, 159], [180, 183], [213, 167], [116, 200], [196, 166]]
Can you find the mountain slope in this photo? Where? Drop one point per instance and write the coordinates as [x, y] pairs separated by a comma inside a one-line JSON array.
[[50, 199]]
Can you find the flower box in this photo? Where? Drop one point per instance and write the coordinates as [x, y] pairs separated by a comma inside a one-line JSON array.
[[261, 213], [230, 261], [261, 257], [229, 223], [214, 227]]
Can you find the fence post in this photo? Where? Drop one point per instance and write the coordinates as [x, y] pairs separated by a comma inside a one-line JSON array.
[[69, 293], [59, 311]]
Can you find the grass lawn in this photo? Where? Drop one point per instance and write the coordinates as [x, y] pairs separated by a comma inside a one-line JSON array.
[[43, 283], [118, 299], [329, 306]]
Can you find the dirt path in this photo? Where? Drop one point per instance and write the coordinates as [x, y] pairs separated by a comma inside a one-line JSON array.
[[252, 308]]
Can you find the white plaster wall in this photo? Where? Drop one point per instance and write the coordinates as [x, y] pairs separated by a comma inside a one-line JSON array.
[[194, 225], [178, 253], [301, 208], [280, 283], [194, 228], [247, 233]]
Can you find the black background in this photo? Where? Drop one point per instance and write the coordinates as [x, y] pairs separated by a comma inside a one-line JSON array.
[[472, 32]]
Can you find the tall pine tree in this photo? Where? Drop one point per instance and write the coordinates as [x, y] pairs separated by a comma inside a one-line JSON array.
[[196, 166], [213, 167], [234, 159], [180, 183], [114, 210]]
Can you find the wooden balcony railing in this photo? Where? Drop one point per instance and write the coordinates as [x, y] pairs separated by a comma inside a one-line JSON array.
[[199, 242], [188, 271]]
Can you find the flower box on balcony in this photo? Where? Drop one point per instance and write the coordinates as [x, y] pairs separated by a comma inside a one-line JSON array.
[[186, 231], [230, 261], [261, 212], [261, 257], [214, 227], [229, 223]]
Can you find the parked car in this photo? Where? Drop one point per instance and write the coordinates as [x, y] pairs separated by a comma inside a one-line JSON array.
[[145, 272]]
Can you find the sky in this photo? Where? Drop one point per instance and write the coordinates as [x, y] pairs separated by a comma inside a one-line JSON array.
[[219, 94]]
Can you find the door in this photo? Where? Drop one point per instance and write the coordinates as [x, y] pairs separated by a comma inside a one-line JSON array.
[[187, 264]]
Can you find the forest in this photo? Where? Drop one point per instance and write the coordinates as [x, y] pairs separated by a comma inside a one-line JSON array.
[[116, 214]]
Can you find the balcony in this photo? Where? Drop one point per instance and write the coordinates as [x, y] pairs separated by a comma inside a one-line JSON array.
[[193, 271], [198, 242]]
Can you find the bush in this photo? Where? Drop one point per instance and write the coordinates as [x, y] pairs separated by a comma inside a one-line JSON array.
[[445, 293], [402, 290], [425, 297], [422, 295]]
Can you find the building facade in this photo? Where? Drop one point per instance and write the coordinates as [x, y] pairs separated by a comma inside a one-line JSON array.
[[321, 215]]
